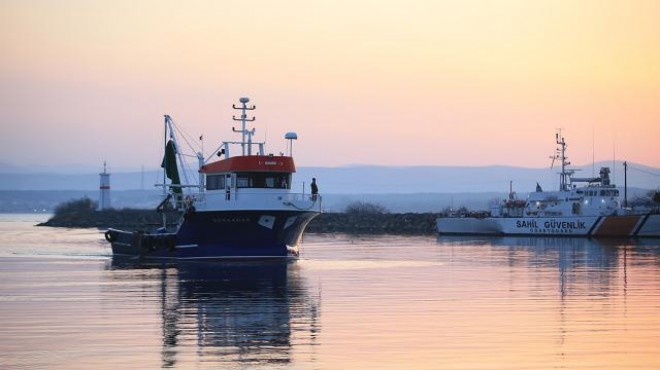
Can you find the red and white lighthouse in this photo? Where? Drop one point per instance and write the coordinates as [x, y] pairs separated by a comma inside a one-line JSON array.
[[104, 188]]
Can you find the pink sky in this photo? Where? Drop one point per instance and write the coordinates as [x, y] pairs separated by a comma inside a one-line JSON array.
[[361, 82]]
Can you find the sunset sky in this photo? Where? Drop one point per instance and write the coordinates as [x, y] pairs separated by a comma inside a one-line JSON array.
[[387, 82]]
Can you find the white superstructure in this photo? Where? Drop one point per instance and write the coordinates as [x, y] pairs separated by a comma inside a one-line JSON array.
[[591, 209]]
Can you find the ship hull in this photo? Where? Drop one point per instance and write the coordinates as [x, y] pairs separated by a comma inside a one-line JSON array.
[[219, 234], [596, 226]]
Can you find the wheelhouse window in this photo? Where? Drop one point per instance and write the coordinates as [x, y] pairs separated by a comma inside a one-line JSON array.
[[609, 193], [215, 182], [264, 180]]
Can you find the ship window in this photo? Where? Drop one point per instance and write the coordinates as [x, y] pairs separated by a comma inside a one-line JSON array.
[[214, 182], [615, 193], [267, 180], [243, 182]]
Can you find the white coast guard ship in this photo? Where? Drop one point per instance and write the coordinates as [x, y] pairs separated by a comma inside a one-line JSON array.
[[243, 205], [592, 209]]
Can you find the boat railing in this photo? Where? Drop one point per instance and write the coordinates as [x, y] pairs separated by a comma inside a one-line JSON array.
[[256, 200]]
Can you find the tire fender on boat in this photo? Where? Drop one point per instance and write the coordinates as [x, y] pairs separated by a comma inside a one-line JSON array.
[[109, 236], [189, 213], [170, 242], [148, 243], [137, 239]]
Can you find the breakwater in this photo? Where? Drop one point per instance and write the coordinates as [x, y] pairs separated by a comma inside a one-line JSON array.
[[365, 223], [351, 223], [129, 219]]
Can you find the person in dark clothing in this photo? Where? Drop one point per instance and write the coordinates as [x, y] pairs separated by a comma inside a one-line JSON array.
[[315, 189]]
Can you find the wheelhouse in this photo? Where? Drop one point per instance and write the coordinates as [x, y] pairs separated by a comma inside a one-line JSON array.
[[249, 172]]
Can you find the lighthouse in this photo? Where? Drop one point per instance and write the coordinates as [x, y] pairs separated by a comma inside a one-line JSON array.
[[104, 187]]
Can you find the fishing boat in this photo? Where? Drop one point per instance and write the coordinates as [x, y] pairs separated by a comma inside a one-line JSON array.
[[242, 206], [587, 207]]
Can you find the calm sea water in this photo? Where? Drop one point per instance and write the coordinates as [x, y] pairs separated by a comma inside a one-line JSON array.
[[377, 302]]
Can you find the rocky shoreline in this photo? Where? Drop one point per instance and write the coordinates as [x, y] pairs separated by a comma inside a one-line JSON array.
[[350, 223], [387, 223]]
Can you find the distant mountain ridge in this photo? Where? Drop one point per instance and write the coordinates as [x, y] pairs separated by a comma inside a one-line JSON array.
[[357, 179], [399, 189]]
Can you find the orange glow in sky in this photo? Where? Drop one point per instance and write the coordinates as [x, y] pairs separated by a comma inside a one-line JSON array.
[[372, 82]]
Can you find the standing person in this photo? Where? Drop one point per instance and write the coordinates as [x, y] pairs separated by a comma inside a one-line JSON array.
[[315, 189]]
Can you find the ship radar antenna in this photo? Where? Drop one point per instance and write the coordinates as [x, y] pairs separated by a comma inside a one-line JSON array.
[[244, 119], [291, 136]]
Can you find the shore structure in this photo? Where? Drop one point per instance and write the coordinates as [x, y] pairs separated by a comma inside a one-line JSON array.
[[104, 189]]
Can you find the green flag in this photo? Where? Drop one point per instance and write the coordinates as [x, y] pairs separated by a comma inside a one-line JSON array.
[[169, 164]]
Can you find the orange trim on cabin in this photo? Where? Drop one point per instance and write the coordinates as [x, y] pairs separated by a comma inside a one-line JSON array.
[[253, 163]]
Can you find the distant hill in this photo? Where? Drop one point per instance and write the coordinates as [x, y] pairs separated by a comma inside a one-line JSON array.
[[447, 179], [357, 179], [78, 181], [399, 189], [45, 201]]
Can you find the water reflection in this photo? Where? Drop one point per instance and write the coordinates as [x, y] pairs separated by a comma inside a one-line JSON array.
[[584, 266], [586, 296], [248, 312]]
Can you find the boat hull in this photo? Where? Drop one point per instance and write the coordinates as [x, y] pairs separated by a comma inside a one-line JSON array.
[[219, 234], [595, 226]]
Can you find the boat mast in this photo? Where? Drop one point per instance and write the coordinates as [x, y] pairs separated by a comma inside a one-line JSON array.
[[560, 153], [625, 184], [167, 118], [165, 173], [243, 119]]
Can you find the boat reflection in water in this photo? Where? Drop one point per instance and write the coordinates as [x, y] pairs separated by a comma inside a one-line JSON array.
[[585, 266], [236, 311]]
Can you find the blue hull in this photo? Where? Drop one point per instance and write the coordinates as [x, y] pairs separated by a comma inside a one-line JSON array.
[[219, 234]]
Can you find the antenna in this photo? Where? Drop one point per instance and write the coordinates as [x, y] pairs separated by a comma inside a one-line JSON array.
[[243, 119], [555, 156], [560, 153]]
